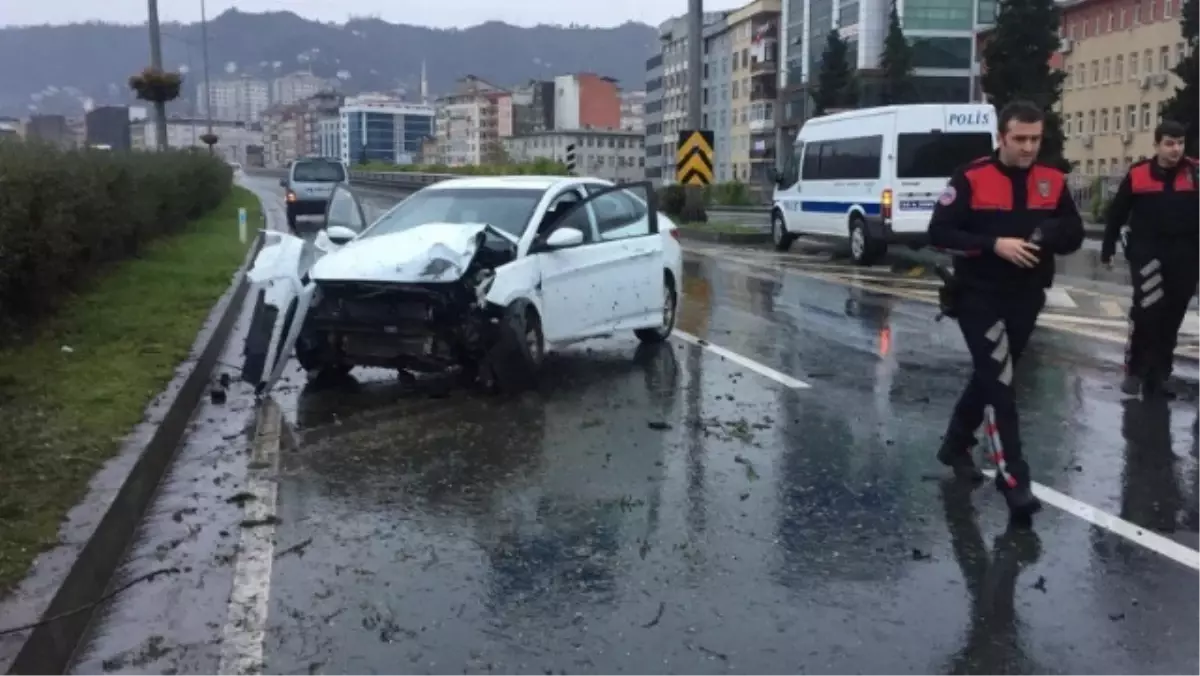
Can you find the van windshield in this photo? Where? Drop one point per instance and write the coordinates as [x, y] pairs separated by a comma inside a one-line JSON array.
[[934, 155], [318, 172]]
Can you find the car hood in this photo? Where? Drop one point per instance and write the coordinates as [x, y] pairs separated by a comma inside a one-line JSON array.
[[434, 252]]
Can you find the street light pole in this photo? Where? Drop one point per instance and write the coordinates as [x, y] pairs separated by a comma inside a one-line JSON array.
[[160, 107], [207, 85], [693, 205]]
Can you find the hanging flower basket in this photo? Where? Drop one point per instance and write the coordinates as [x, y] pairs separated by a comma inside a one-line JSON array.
[[209, 140], [156, 86]]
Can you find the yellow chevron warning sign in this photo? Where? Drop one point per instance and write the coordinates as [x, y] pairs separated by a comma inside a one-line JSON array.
[[694, 157]]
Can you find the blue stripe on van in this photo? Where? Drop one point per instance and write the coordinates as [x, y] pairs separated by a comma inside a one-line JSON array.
[[828, 207]]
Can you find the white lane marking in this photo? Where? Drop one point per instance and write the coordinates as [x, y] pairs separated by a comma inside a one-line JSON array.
[[1111, 308], [1117, 526], [1056, 296], [245, 631], [745, 362]]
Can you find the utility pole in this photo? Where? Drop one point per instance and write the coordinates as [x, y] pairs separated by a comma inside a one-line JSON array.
[[207, 86], [160, 107], [693, 205]]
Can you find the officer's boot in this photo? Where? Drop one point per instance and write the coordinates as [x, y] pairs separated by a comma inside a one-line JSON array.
[[1017, 489], [955, 453], [1131, 385]]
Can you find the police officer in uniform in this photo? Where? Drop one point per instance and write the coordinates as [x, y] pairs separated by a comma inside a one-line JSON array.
[[1004, 217], [1159, 201]]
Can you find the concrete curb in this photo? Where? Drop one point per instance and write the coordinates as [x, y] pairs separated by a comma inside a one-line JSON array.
[[50, 647], [724, 237]]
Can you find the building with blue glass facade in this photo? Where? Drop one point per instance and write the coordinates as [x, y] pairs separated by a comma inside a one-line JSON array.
[[391, 133]]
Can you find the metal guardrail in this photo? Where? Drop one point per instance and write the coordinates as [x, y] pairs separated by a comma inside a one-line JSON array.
[[1081, 187]]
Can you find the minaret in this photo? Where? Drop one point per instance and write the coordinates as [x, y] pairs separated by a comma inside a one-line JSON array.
[[424, 84]]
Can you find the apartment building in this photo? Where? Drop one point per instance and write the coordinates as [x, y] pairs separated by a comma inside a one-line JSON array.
[[614, 155], [1117, 55], [533, 107], [242, 99], [743, 71], [281, 132], [108, 126], [313, 111], [471, 123], [633, 110], [586, 101], [297, 87], [716, 104], [666, 95]]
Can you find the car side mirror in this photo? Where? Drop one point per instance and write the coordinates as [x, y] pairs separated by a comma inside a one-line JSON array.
[[563, 238], [283, 183], [339, 234]]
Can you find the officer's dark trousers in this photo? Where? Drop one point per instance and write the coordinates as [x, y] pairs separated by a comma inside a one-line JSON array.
[[1164, 281], [996, 327]]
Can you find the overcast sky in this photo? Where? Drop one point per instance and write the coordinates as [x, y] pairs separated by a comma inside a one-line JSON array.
[[438, 13]]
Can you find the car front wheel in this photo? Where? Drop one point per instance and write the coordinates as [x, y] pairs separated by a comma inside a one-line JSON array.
[[514, 363], [658, 334]]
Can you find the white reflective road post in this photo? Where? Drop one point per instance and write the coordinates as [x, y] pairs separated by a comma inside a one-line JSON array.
[[242, 224]]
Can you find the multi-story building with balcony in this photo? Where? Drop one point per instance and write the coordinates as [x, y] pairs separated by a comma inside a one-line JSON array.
[[471, 123], [633, 110], [296, 87], [1118, 56], [586, 101], [533, 107]]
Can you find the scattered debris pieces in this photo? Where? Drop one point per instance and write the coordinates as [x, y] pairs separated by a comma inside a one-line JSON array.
[[662, 607]]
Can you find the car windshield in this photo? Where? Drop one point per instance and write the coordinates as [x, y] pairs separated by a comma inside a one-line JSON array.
[[938, 155], [318, 172], [504, 208]]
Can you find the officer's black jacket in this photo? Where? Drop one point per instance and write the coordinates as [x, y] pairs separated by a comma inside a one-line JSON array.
[[1161, 206], [987, 200]]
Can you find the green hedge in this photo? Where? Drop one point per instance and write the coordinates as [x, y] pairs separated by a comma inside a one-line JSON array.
[[64, 215]]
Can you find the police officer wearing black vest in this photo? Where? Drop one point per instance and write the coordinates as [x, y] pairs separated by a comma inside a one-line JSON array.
[[1004, 217], [1159, 201]]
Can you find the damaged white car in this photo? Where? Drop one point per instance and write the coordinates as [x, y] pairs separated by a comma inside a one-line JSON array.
[[478, 275]]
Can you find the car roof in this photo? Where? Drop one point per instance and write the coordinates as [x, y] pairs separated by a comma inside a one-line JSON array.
[[519, 182]]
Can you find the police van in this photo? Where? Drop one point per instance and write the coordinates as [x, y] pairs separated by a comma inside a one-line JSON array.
[[870, 177]]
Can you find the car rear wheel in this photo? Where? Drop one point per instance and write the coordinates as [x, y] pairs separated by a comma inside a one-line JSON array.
[[663, 331]]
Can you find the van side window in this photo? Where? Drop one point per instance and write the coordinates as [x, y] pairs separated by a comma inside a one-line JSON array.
[[848, 159]]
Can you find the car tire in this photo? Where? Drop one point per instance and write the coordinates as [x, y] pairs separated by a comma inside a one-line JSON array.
[[780, 237], [515, 362], [670, 305], [864, 249]]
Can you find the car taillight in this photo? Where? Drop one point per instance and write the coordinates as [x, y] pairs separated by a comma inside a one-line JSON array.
[[885, 204]]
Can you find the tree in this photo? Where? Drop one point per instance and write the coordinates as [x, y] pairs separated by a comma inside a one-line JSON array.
[[836, 85], [1183, 106], [896, 62], [158, 87], [1016, 65]]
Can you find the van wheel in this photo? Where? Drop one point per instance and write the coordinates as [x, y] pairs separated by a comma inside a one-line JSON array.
[[864, 249], [779, 234]]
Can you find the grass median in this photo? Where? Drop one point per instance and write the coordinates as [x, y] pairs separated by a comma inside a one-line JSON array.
[[70, 394]]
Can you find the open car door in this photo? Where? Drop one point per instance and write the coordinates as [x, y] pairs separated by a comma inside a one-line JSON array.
[[283, 290]]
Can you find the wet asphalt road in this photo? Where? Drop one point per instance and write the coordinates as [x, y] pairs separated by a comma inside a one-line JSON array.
[[670, 510]]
